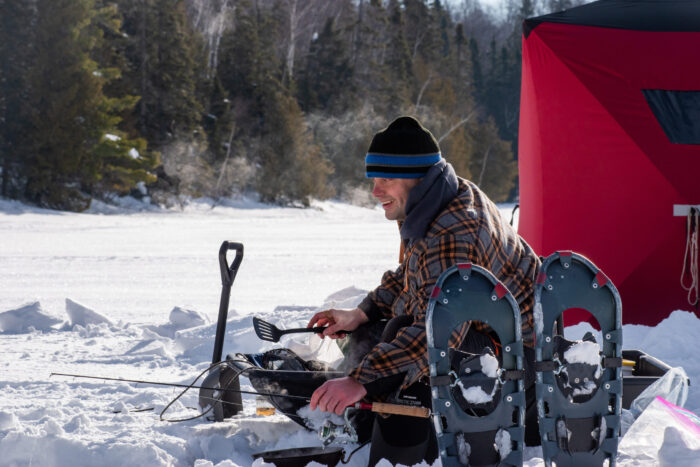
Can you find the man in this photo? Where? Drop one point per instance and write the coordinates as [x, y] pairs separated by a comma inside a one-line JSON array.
[[443, 220]]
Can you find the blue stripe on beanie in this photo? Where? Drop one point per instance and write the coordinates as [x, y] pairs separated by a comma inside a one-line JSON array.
[[391, 159], [404, 149]]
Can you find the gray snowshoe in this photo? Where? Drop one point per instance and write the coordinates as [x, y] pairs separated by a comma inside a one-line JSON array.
[[478, 399], [579, 387]]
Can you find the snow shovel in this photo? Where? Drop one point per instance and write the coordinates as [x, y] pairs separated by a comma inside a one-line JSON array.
[[269, 332]]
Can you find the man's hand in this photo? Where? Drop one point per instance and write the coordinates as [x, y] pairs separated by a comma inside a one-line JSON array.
[[338, 320], [336, 394]]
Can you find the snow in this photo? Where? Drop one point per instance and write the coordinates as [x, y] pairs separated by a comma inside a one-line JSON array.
[[503, 443], [583, 352], [131, 290], [27, 318], [475, 394], [489, 365]]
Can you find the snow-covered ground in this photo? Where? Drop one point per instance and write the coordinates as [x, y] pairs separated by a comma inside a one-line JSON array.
[[133, 292]]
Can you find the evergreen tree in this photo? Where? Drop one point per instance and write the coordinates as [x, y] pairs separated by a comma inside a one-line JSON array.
[[477, 74], [420, 30], [493, 166], [326, 78], [399, 65], [16, 28], [75, 146], [372, 39], [292, 168], [166, 59]]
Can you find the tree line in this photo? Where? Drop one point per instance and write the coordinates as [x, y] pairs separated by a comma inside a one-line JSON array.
[[177, 98]]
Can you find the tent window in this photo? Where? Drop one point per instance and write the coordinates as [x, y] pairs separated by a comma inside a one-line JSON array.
[[678, 113]]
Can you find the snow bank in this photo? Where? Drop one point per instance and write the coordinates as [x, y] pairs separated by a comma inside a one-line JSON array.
[[27, 318]]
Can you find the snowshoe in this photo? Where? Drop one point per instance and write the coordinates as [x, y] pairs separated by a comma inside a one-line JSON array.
[[478, 399], [579, 388]]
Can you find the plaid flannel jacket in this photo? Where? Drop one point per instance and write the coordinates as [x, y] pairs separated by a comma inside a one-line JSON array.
[[469, 229]]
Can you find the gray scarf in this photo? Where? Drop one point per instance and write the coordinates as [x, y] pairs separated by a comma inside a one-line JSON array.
[[427, 199]]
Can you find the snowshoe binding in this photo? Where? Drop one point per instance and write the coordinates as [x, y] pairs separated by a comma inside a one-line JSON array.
[[478, 399], [579, 387]]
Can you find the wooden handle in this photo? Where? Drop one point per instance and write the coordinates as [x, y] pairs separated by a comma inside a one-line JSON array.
[[396, 409]]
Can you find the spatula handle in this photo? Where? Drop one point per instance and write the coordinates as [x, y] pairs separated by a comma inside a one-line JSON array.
[[317, 329]]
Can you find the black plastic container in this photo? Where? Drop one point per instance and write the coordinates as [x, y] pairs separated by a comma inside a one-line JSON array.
[[299, 457], [647, 370]]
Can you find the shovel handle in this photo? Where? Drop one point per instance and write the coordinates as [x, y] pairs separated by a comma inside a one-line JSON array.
[[395, 409]]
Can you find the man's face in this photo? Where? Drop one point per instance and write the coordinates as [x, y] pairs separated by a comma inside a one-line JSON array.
[[393, 194]]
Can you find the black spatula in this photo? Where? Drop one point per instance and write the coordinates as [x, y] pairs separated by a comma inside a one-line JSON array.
[[269, 332]]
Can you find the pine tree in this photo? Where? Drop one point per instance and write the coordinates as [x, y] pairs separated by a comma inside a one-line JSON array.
[[326, 78], [493, 166], [477, 74], [121, 160], [166, 67], [16, 28], [398, 63], [292, 168], [76, 150], [370, 52]]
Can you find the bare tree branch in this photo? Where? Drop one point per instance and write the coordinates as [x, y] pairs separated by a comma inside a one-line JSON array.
[[422, 90], [456, 125], [483, 164]]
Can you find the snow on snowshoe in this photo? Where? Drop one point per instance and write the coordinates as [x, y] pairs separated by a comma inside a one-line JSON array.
[[579, 387], [478, 399]]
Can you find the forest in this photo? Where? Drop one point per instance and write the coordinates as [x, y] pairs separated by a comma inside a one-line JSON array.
[[166, 100]]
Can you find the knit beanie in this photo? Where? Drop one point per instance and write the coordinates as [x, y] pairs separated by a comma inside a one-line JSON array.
[[404, 149]]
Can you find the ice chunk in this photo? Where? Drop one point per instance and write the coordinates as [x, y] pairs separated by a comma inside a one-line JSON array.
[[82, 315], [23, 319]]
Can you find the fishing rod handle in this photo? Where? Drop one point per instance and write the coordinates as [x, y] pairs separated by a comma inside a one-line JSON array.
[[395, 409]]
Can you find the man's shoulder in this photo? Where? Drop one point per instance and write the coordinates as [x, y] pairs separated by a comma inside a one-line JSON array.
[[459, 213]]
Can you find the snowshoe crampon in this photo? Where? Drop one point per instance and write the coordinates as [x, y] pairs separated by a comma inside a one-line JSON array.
[[579, 386], [478, 400]]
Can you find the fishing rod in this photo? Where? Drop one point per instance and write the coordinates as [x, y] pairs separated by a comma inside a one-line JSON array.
[[160, 383], [378, 407]]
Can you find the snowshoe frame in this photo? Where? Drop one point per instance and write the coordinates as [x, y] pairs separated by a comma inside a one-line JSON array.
[[569, 280], [466, 292]]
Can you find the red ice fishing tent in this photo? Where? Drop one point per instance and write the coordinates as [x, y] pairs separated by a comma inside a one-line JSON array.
[[609, 149]]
